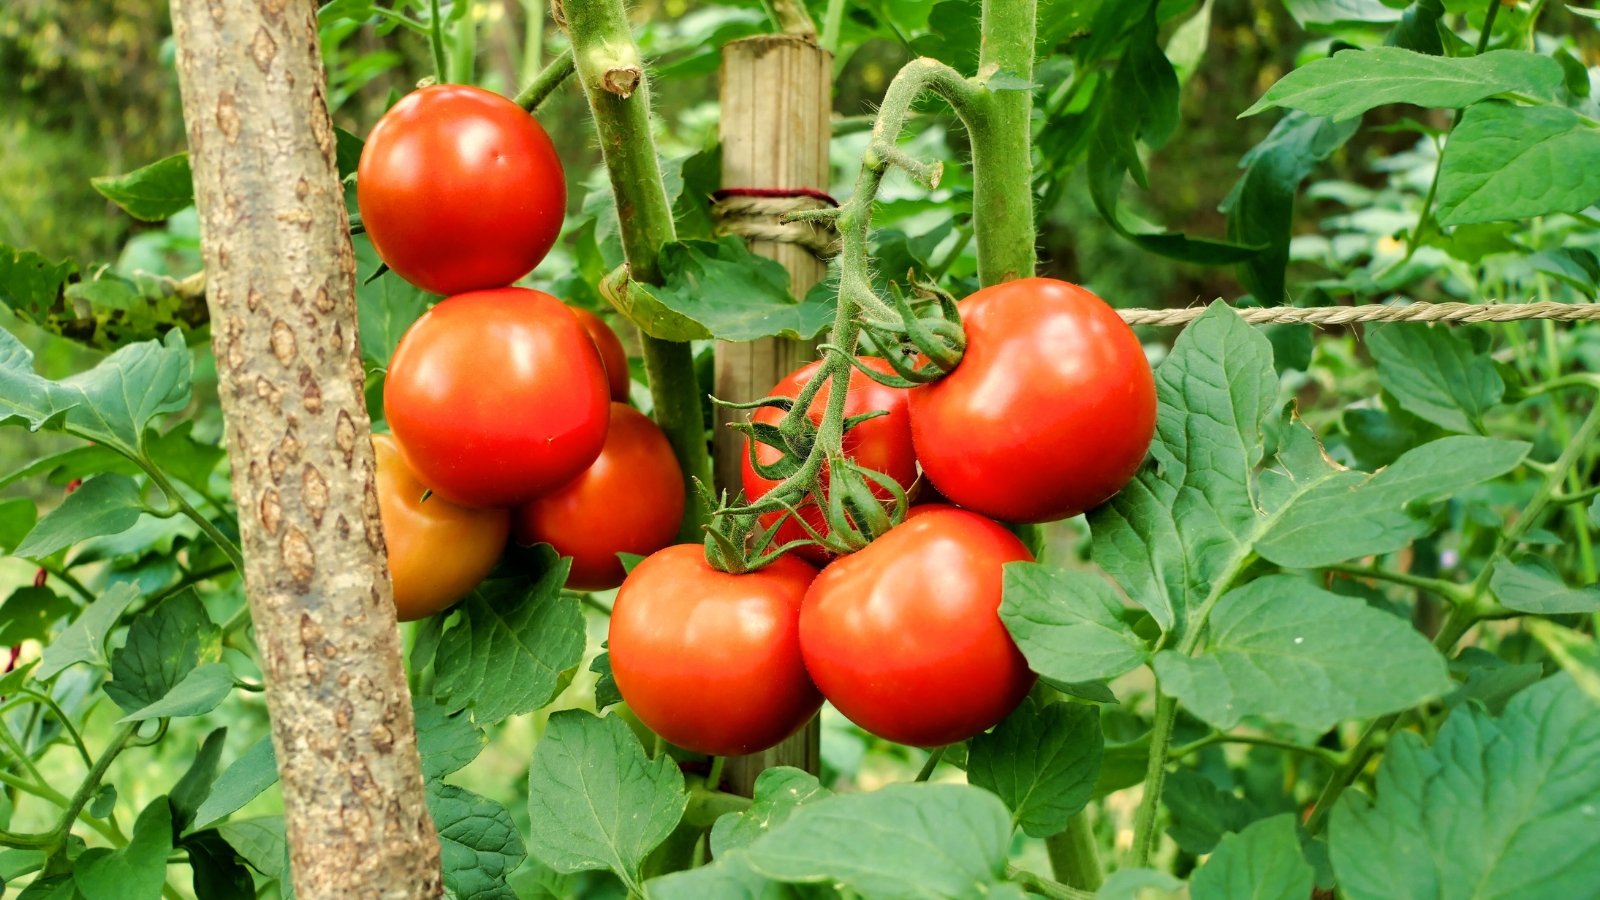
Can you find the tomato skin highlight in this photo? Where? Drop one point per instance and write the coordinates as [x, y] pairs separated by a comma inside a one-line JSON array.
[[611, 350], [438, 551], [1049, 413], [882, 444], [711, 661], [460, 189], [497, 397], [905, 637], [629, 500]]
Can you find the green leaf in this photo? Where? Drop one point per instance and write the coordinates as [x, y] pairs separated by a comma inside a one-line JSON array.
[[1436, 375], [506, 653], [1201, 812], [595, 801], [1141, 884], [30, 613], [1488, 679], [1344, 514], [1262, 862], [719, 288], [1068, 624], [78, 464], [385, 306], [1284, 651], [254, 771], [1042, 760], [155, 192], [478, 843], [1517, 162], [137, 870], [446, 741], [198, 693], [218, 869], [259, 842], [1533, 585], [105, 504], [104, 802], [16, 678], [30, 284], [183, 458], [1497, 807], [1183, 521], [1340, 12], [111, 404], [163, 647], [905, 840], [1351, 82], [605, 687], [85, 639], [346, 146], [728, 877], [779, 793], [17, 518], [1419, 28], [1574, 651], [195, 785]]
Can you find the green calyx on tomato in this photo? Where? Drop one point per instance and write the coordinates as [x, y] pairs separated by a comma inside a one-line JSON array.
[[497, 397], [1049, 413], [460, 189], [709, 660]]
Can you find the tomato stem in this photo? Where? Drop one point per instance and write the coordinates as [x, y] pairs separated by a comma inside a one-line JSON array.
[[1002, 146], [546, 81], [931, 763]]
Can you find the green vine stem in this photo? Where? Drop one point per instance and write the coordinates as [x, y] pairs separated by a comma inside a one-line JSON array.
[[1002, 146], [436, 40], [613, 77], [545, 83], [51, 841], [1075, 854]]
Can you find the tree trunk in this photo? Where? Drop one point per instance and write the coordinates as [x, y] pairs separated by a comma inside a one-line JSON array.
[[283, 317], [777, 93]]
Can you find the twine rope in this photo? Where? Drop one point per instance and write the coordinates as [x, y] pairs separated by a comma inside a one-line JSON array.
[[758, 214]]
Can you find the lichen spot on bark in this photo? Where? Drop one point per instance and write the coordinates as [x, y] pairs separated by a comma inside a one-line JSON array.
[[344, 433], [263, 49], [227, 117], [298, 558], [314, 491], [271, 511], [283, 343]]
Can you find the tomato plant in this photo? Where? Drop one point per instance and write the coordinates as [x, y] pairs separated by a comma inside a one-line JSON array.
[[1049, 413], [460, 189], [709, 660], [882, 444], [438, 551], [629, 500], [496, 397]]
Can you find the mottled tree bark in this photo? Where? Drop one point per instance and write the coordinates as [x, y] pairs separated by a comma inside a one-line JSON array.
[[281, 294]]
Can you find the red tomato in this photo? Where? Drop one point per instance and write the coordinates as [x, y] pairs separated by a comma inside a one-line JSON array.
[[1049, 413], [711, 661], [630, 500], [497, 397], [460, 189], [905, 637], [611, 351], [438, 552], [882, 444]]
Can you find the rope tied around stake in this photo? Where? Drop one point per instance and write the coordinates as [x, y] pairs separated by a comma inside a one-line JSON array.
[[1449, 313], [760, 214]]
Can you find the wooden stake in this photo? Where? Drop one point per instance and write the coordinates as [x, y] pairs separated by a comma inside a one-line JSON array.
[[777, 99]]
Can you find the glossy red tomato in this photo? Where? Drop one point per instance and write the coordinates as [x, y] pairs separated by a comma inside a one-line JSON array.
[[630, 500], [460, 189], [1049, 413], [611, 351], [497, 397], [711, 661], [882, 444], [438, 551], [905, 637]]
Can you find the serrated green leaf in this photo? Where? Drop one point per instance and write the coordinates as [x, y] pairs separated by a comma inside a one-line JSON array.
[[1488, 679], [1262, 862], [1068, 624], [254, 771], [151, 193], [446, 741], [111, 403], [1043, 761], [85, 639], [1532, 585], [137, 870], [183, 458], [163, 647], [1351, 82], [105, 504], [30, 284], [1517, 162], [1281, 650], [905, 840], [508, 648], [1344, 514], [192, 789], [259, 842], [719, 288], [479, 844], [1436, 375], [1497, 807], [595, 801], [29, 614], [779, 792], [1574, 651], [1184, 520], [605, 686], [1201, 812], [385, 307], [196, 694]]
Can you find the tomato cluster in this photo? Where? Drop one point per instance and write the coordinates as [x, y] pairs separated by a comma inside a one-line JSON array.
[[1049, 413], [506, 407]]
